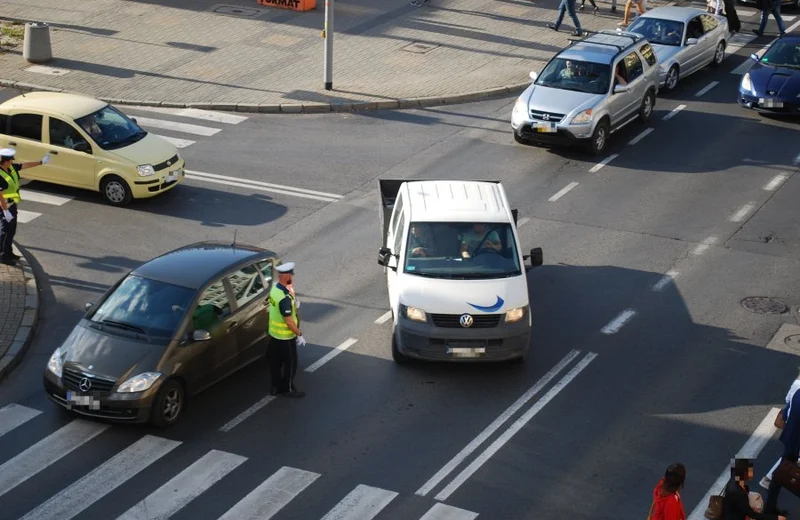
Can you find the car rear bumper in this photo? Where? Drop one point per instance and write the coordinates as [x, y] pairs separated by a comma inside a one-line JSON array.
[[132, 408]]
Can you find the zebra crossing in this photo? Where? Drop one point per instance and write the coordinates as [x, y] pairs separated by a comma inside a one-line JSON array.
[[182, 483], [184, 129]]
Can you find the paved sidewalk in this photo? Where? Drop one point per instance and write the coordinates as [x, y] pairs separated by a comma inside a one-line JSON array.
[[19, 312], [387, 53]]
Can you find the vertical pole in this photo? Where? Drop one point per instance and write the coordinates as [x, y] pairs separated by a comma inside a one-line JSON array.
[[327, 33]]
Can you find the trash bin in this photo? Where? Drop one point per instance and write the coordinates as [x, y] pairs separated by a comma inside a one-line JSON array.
[[36, 47]]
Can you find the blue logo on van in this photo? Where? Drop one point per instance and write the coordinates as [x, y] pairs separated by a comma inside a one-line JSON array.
[[499, 303]]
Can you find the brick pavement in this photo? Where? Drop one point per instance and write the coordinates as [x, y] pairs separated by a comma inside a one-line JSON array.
[[180, 52], [19, 309]]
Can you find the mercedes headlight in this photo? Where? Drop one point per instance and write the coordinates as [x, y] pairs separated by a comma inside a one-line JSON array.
[[583, 118], [414, 314], [139, 383], [520, 112], [513, 315], [145, 170], [56, 362], [747, 84]]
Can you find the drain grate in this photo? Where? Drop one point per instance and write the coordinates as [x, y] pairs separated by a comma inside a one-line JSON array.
[[764, 305], [235, 10], [420, 48], [793, 340]]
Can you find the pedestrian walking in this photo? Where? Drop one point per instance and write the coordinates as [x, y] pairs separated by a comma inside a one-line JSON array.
[[567, 6], [728, 9], [583, 5], [667, 503], [285, 334], [738, 502], [767, 7], [790, 438], [641, 7], [9, 188], [780, 422]]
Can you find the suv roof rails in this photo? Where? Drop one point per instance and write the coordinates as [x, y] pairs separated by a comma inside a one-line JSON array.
[[626, 34], [632, 36]]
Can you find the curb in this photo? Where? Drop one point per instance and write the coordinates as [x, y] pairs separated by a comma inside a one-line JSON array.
[[301, 108], [30, 318]]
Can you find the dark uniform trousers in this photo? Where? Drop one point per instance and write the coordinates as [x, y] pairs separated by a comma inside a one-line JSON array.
[[283, 363], [771, 505], [7, 232]]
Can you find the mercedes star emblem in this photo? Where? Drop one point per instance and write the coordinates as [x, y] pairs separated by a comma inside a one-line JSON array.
[[85, 384], [465, 320]]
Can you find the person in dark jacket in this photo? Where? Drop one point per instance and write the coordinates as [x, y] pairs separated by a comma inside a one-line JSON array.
[[790, 438], [736, 501]]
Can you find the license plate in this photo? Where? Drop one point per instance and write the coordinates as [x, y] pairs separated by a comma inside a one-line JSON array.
[[467, 352], [770, 103], [545, 127], [172, 176], [82, 400]]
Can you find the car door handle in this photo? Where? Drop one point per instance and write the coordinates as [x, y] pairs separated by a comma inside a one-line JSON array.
[[12, 143], [232, 326], [54, 152]]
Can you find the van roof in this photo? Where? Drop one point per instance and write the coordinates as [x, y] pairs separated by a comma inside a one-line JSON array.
[[457, 201]]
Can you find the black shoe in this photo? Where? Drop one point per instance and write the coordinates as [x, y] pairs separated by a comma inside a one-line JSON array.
[[552, 26], [9, 261], [581, 8], [577, 33], [755, 31], [295, 393]]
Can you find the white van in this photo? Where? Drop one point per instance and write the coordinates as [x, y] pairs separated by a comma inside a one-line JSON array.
[[455, 271]]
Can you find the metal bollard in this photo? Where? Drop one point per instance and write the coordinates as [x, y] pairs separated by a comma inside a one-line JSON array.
[[36, 47]]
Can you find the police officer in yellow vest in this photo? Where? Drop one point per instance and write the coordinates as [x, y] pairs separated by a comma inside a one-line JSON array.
[[9, 188], [284, 333]]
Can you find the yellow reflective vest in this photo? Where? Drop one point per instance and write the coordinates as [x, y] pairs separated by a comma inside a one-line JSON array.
[[277, 325], [12, 178]]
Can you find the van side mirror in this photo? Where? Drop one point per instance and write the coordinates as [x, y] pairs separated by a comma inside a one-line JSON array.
[[536, 257], [515, 214], [384, 256], [201, 335]]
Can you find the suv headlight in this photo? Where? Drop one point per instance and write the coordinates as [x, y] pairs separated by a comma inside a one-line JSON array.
[[520, 112], [513, 315], [583, 118], [56, 362], [139, 383], [415, 314], [145, 170]]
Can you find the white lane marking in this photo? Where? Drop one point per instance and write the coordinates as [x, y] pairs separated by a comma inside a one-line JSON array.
[[14, 415], [194, 113], [674, 112], [363, 503], [282, 188], [705, 89], [738, 42], [247, 413], [566, 189], [43, 198], [24, 216], [750, 450], [617, 323], [743, 67], [272, 495], [496, 424], [46, 452], [174, 141], [257, 187], [792, 27], [788, 18], [742, 212], [445, 512], [665, 280], [185, 486], [185, 128], [597, 167], [641, 136], [705, 244], [384, 318], [775, 182], [523, 221], [493, 448], [332, 354], [74, 499]]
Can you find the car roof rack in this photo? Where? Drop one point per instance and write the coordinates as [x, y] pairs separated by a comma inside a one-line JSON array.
[[632, 36]]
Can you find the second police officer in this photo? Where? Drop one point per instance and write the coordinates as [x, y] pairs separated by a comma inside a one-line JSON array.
[[285, 334]]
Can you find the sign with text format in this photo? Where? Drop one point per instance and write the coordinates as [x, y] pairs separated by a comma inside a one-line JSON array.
[[292, 5]]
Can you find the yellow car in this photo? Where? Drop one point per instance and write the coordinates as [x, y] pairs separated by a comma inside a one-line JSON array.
[[92, 145]]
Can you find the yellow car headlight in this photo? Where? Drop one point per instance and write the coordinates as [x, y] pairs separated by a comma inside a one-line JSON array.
[[513, 315], [415, 314]]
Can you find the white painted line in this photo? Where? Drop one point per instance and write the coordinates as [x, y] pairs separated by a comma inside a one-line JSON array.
[[705, 89], [277, 187], [174, 141], [44, 198], [563, 191], [445, 512], [750, 450], [50, 71], [597, 167], [46, 452], [15, 415], [496, 424], [185, 128], [674, 112], [272, 495], [617, 323], [247, 413], [788, 18], [24, 216], [705, 244], [363, 503], [775, 182], [738, 42], [257, 187], [641, 136], [792, 27], [332, 354], [743, 67], [665, 280], [384, 318], [185, 486], [742, 212], [523, 221], [194, 113], [493, 448], [74, 499]]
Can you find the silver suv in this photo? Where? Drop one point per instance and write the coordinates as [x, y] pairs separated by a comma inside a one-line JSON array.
[[587, 91]]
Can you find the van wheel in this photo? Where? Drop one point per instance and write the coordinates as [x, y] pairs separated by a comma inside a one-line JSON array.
[[648, 103], [116, 191], [599, 138], [168, 405], [398, 357]]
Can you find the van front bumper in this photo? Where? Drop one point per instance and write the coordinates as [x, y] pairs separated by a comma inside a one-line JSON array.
[[504, 342]]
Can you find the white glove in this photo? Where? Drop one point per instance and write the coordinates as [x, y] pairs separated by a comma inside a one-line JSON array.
[[8, 215], [46, 159], [301, 341], [296, 303]]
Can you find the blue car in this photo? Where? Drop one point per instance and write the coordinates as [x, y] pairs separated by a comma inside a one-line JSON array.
[[773, 82]]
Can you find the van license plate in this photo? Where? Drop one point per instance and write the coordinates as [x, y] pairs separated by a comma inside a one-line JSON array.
[[466, 352]]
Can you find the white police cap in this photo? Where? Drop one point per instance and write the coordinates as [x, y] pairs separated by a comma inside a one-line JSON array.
[[8, 152], [286, 268]]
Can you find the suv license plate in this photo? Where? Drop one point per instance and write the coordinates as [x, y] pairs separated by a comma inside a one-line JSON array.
[[545, 127]]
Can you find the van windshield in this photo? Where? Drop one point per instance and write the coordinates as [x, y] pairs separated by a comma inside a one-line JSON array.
[[461, 250]]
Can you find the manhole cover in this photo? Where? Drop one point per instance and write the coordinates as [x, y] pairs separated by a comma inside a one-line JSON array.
[[419, 47], [793, 340], [764, 305], [234, 10]]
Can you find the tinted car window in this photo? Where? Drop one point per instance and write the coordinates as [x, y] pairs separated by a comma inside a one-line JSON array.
[[3, 123], [648, 54], [246, 284], [575, 75], [658, 31], [64, 134], [27, 126], [111, 129], [709, 23], [634, 66]]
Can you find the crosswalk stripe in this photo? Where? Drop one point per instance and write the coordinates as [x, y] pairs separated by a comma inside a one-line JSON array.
[[185, 487], [177, 143], [272, 495], [177, 127], [73, 500], [43, 198], [444, 512], [24, 216], [46, 452], [15, 415], [363, 503], [195, 113]]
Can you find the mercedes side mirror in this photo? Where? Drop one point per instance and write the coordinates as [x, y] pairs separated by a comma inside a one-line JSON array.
[[201, 335]]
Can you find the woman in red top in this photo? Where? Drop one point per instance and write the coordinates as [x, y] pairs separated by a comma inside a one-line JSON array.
[[667, 504]]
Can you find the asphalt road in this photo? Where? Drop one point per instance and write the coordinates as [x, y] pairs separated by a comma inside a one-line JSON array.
[[664, 370]]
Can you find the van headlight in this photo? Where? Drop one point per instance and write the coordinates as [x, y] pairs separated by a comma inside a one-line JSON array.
[[146, 170], [56, 362], [520, 112], [514, 315], [139, 383], [415, 314], [583, 118]]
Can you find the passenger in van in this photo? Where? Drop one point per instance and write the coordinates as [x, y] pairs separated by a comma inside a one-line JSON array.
[[420, 241], [477, 237]]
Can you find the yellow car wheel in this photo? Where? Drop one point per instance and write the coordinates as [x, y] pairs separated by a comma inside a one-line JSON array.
[[115, 190]]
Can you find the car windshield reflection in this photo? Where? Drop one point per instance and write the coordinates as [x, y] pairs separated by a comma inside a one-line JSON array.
[[579, 76], [783, 54], [658, 31], [111, 129]]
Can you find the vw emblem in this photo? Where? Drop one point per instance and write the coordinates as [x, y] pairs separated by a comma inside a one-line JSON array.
[[546, 117], [465, 320], [85, 384]]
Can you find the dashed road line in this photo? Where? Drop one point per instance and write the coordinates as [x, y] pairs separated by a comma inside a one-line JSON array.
[[703, 91], [674, 112], [563, 191], [332, 354], [174, 141], [742, 212], [523, 221], [185, 128], [247, 413], [641, 136], [195, 113], [775, 182], [261, 186], [617, 323], [384, 318], [704, 245], [668, 278], [599, 166]]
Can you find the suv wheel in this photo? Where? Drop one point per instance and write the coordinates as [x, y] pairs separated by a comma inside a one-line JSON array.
[[719, 55], [599, 138], [672, 78], [646, 112]]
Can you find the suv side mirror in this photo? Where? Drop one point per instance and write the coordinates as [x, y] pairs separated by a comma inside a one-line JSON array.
[[536, 257], [201, 335]]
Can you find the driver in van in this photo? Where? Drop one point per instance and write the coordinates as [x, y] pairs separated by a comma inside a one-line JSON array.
[[477, 237], [420, 241]]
